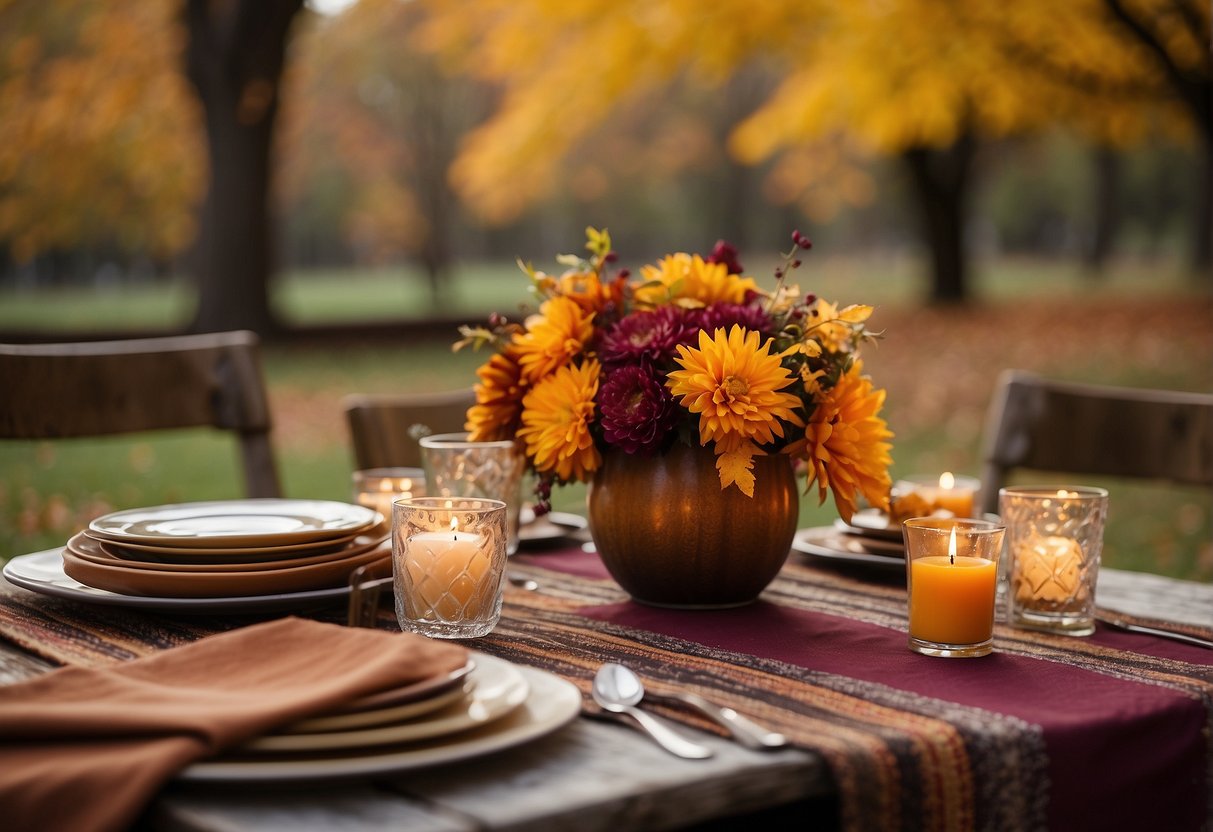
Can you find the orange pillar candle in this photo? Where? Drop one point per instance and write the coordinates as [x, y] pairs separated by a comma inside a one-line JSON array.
[[952, 576], [952, 601]]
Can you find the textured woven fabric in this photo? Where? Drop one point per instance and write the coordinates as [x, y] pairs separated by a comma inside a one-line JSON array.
[[1110, 731]]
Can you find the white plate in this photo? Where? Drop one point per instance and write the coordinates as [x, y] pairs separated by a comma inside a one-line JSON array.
[[551, 704], [236, 523], [827, 542], [42, 572], [496, 688]]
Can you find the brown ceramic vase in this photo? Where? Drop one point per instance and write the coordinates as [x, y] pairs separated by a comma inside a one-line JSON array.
[[671, 537]]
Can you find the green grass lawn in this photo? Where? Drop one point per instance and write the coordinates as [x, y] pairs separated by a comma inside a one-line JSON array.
[[1146, 325]]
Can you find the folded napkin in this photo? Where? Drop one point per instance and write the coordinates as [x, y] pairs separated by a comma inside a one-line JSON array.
[[88, 748]]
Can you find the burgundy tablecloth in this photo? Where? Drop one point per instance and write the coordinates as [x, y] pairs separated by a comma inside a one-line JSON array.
[[1110, 731]]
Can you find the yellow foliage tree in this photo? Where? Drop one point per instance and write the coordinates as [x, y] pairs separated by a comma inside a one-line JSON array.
[[920, 79], [99, 135]]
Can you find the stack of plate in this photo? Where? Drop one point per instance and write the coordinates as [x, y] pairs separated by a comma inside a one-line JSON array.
[[868, 539], [228, 549], [488, 705]]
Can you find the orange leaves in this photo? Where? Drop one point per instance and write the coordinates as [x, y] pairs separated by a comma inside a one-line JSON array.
[[99, 139]]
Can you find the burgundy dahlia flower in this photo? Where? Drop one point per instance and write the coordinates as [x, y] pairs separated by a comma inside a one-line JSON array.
[[647, 336], [727, 314], [636, 410]]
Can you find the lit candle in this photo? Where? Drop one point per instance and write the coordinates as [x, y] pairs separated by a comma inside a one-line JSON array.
[[952, 597], [378, 488], [921, 497], [954, 497], [450, 573], [1049, 570]]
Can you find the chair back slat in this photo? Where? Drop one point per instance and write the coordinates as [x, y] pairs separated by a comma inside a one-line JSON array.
[[382, 426], [56, 391], [1063, 427]]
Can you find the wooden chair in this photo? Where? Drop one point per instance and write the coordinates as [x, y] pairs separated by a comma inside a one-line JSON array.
[[381, 426], [1057, 426], [55, 391]]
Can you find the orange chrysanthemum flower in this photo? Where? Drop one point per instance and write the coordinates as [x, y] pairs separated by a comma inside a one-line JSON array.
[[691, 281], [845, 442], [552, 338], [733, 384], [498, 399], [556, 418]]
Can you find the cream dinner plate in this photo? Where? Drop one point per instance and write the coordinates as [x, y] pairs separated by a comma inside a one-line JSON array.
[[378, 716], [495, 687], [551, 704], [42, 572], [231, 523]]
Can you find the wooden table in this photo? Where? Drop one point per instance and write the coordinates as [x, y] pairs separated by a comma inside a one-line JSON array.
[[595, 774]]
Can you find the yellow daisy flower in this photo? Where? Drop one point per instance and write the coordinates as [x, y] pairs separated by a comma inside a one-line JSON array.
[[691, 281], [733, 384], [556, 418], [498, 399], [552, 338], [845, 444]]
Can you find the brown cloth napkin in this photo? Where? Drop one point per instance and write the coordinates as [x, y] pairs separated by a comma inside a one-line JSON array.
[[88, 748]]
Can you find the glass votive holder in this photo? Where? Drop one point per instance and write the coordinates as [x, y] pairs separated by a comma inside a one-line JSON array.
[[378, 488], [951, 575], [458, 467], [448, 565], [1054, 543], [946, 495]]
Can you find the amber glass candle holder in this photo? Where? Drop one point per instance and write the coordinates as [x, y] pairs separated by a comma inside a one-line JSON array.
[[458, 467]]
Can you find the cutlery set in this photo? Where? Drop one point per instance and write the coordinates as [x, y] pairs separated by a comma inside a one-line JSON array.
[[618, 690]]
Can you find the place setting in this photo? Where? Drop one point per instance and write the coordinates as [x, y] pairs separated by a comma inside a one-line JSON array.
[[488, 705], [254, 555], [872, 537]]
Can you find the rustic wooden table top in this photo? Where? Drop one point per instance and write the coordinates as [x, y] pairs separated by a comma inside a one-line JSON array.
[[595, 774]]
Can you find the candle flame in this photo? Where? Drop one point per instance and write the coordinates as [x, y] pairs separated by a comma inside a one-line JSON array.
[[454, 524], [952, 546], [946, 480], [385, 486]]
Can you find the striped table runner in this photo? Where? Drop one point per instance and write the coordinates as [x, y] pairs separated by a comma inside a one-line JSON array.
[[1111, 731]]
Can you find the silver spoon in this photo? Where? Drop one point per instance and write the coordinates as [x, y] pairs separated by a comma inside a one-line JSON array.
[[618, 690], [743, 730]]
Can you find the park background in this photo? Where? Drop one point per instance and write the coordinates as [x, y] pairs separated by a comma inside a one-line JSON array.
[[1024, 185]]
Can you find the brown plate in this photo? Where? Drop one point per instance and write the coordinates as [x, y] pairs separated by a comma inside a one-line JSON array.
[[162, 584], [107, 553], [828, 542], [172, 554]]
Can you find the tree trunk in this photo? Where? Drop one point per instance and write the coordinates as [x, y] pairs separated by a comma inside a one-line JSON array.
[[1202, 231], [1105, 211], [940, 179], [235, 56]]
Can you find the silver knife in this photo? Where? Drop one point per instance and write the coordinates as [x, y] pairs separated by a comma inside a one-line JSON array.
[[1154, 631]]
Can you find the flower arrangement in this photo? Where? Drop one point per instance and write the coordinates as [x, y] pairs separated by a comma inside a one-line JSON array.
[[694, 352]]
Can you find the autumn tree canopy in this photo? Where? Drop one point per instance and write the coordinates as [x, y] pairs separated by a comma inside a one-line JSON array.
[[98, 131], [917, 79]]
